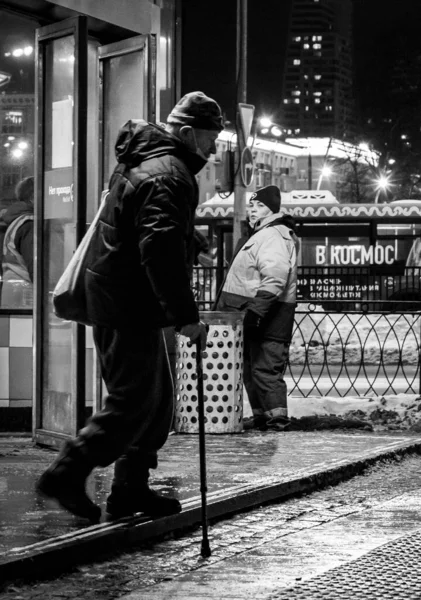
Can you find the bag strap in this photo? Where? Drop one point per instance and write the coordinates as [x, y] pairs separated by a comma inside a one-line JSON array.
[[104, 195]]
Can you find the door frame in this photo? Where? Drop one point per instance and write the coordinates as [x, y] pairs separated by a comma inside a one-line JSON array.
[[77, 27], [148, 44]]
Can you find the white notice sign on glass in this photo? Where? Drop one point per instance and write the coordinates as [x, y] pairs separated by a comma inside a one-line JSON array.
[[62, 137]]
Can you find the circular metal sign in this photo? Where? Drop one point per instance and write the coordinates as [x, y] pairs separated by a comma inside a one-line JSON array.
[[246, 167]]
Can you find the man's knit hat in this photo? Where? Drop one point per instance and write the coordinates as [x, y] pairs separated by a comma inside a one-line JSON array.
[[270, 196], [197, 110]]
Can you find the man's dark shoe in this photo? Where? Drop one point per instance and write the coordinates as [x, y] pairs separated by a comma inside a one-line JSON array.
[[254, 423], [278, 424], [69, 492], [125, 502]]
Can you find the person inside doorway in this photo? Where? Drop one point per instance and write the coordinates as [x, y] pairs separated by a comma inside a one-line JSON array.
[[261, 283], [138, 281], [18, 248]]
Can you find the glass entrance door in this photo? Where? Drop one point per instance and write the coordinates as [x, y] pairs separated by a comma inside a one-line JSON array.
[[127, 76], [120, 83], [60, 215]]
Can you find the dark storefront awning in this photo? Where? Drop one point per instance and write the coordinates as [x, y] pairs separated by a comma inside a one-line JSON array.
[[48, 12]]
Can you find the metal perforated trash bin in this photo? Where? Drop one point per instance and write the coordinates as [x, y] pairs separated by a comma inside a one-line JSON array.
[[222, 377]]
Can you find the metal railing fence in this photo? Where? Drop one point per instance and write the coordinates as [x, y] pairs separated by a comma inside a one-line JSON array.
[[357, 330]]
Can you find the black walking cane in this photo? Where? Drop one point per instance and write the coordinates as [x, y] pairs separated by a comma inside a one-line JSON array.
[[205, 549]]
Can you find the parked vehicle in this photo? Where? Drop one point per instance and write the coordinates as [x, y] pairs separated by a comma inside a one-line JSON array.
[[352, 256]]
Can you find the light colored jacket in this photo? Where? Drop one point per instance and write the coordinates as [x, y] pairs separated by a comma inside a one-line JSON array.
[[17, 289], [263, 278]]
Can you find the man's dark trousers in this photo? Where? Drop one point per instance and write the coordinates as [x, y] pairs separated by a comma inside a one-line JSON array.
[[138, 409]]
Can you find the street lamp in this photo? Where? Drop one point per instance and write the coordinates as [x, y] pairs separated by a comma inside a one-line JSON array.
[[265, 122], [383, 185], [268, 127], [276, 131], [326, 172]]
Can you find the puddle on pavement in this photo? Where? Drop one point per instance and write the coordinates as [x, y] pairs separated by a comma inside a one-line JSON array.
[[26, 518]]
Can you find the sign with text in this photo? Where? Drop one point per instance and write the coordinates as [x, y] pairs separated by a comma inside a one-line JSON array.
[[350, 255], [341, 287], [58, 194]]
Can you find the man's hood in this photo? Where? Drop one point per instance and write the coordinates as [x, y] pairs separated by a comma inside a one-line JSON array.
[[276, 219], [15, 210], [138, 140]]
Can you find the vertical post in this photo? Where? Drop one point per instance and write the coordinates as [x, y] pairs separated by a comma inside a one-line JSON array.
[[310, 169], [419, 357], [241, 66]]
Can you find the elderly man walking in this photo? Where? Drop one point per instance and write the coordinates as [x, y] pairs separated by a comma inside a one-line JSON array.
[[137, 282]]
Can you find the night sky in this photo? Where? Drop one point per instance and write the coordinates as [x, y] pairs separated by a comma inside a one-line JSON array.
[[380, 33]]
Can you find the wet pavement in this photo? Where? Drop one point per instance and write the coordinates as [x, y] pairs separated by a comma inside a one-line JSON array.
[[233, 461], [310, 548], [261, 554]]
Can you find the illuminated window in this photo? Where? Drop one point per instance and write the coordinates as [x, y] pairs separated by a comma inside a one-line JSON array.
[[296, 93], [305, 76], [286, 101], [317, 46], [317, 93], [12, 121], [306, 109], [297, 61], [297, 101], [306, 46], [316, 100], [317, 77], [297, 39]]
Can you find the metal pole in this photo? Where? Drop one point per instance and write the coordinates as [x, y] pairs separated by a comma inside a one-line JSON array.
[[205, 549], [241, 66], [310, 170], [419, 357]]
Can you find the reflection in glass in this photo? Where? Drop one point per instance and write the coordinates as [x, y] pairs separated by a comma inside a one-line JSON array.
[[17, 101], [123, 100], [18, 248], [59, 230]]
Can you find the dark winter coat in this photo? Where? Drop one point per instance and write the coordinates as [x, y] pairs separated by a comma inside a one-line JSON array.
[[140, 259]]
